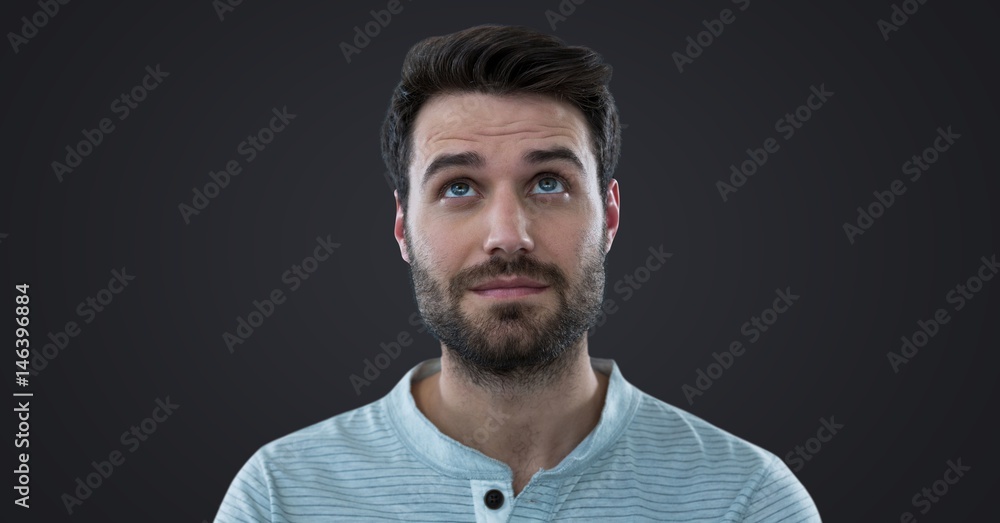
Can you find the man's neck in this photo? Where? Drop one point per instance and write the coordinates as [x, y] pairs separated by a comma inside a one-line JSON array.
[[527, 432]]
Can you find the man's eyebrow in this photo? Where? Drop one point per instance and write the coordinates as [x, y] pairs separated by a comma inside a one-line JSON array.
[[474, 160], [555, 153], [466, 159]]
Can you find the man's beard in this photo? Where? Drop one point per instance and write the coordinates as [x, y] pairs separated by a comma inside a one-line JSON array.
[[512, 348]]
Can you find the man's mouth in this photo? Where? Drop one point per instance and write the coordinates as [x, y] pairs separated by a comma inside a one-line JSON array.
[[510, 287]]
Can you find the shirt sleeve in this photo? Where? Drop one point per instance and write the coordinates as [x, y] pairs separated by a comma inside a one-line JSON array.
[[780, 496], [249, 496]]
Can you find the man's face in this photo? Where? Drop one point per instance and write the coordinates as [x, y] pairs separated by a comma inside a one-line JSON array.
[[505, 229]]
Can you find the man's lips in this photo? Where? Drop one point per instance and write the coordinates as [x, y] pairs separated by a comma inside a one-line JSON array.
[[509, 287]]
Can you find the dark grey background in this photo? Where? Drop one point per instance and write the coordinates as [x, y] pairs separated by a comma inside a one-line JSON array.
[[323, 176]]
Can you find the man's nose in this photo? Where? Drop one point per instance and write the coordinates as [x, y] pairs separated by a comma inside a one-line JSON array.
[[508, 224]]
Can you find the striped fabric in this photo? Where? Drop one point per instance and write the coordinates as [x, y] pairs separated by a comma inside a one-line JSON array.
[[644, 461]]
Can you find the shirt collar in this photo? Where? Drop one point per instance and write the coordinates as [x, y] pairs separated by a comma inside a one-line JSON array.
[[455, 459]]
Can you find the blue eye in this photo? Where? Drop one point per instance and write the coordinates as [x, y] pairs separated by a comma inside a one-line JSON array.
[[458, 190], [549, 185]]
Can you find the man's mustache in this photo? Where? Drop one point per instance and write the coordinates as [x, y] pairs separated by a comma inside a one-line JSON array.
[[526, 266]]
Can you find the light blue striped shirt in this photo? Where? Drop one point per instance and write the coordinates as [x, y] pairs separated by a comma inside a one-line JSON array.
[[644, 461]]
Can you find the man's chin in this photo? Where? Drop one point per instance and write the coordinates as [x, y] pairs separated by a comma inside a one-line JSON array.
[[514, 311], [525, 338], [516, 335], [507, 354]]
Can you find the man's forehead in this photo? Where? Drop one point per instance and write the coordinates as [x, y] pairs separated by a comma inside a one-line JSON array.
[[457, 122]]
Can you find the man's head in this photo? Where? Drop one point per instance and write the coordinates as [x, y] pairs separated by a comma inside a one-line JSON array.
[[502, 143]]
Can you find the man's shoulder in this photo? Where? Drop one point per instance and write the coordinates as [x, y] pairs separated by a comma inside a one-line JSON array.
[[669, 431], [320, 469], [686, 459], [360, 431]]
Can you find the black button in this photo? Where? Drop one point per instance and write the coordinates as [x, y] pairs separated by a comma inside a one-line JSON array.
[[493, 499]]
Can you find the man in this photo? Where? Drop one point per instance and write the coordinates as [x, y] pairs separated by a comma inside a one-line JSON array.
[[502, 143]]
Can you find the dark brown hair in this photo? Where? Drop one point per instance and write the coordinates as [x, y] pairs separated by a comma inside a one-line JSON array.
[[496, 59]]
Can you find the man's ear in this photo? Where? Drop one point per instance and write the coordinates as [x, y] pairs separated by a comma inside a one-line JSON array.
[[613, 212], [399, 228]]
